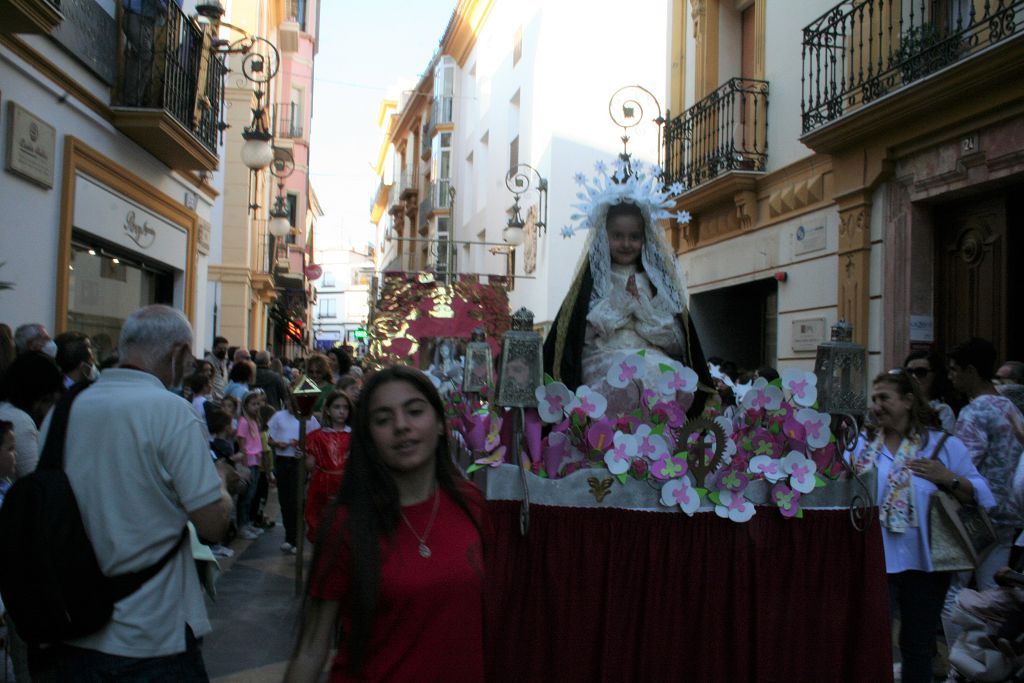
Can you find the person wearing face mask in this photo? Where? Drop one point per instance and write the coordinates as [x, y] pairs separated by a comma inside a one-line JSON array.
[[127, 433], [34, 337], [219, 359], [27, 391], [75, 358]]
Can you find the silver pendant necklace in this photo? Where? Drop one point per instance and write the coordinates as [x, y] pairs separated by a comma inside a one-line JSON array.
[[423, 548]]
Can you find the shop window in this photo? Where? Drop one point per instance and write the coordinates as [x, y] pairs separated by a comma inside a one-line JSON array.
[[105, 285]]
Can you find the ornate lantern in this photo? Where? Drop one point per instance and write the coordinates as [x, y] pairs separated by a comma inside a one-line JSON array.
[[521, 363], [841, 367], [478, 374]]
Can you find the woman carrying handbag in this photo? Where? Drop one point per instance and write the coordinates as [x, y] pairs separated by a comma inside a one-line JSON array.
[[899, 444]]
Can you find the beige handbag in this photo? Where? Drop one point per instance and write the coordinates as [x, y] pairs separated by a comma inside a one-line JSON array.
[[959, 536]]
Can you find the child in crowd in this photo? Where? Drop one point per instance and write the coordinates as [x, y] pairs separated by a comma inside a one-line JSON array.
[[227, 458], [326, 451], [251, 440], [229, 404], [629, 294], [283, 431], [201, 387]]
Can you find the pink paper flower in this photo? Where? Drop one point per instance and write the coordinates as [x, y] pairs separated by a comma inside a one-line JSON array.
[[671, 412], [678, 378], [786, 499], [682, 493], [600, 434], [649, 445], [668, 467]]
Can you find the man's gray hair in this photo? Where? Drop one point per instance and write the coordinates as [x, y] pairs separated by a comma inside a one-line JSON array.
[[262, 359], [24, 335], [153, 331]]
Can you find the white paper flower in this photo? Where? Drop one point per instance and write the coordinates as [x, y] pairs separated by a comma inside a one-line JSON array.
[[625, 368], [592, 403], [552, 401], [682, 493], [648, 445], [801, 470], [679, 378], [675, 188], [683, 217], [567, 231], [801, 385], [734, 506], [763, 396], [769, 467], [816, 426], [622, 453]]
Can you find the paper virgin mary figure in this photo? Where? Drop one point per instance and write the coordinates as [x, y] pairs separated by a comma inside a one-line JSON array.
[[628, 293]]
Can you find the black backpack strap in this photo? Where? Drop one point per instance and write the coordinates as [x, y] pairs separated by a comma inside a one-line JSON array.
[[123, 585], [52, 456]]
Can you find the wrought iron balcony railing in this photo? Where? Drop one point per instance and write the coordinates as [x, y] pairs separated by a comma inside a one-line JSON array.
[[452, 258], [725, 131], [408, 184], [441, 112], [287, 120], [861, 50], [164, 66]]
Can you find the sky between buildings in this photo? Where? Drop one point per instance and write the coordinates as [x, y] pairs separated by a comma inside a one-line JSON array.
[[368, 51]]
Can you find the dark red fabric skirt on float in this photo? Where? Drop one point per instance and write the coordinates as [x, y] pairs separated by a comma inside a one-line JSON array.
[[622, 595]]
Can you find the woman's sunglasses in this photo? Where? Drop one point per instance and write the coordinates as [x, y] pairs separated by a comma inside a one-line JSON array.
[[919, 373]]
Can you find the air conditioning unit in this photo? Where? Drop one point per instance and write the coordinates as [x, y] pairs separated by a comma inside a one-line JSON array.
[[288, 36]]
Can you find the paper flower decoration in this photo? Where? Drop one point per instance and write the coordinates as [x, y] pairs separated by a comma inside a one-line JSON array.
[[625, 368], [589, 402], [682, 493], [767, 467], [786, 499], [734, 506], [801, 471], [668, 467], [552, 401], [801, 386], [816, 426], [677, 378], [763, 396], [622, 452]]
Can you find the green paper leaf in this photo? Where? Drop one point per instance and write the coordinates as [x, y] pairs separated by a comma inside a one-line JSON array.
[[548, 379], [642, 353], [819, 482], [659, 430], [637, 413], [622, 477], [774, 429], [542, 473], [701, 492], [799, 513], [715, 498], [473, 468], [664, 367]]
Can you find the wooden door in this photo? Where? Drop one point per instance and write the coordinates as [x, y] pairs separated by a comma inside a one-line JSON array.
[[971, 277]]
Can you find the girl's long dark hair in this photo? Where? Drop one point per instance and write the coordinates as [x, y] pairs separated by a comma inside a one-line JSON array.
[[369, 493]]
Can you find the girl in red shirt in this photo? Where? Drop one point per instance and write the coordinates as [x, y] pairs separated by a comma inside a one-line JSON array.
[[397, 581], [326, 451]]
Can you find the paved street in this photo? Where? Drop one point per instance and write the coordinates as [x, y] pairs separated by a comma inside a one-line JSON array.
[[255, 615]]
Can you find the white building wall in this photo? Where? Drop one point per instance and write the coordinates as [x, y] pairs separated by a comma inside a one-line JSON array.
[[30, 214], [576, 54]]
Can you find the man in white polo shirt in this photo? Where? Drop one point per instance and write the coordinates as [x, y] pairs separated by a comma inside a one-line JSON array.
[[140, 469]]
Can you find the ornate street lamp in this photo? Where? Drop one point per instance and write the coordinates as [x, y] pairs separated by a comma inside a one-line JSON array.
[[626, 109], [520, 180], [841, 368]]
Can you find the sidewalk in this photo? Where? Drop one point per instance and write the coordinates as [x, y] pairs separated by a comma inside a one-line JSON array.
[[255, 616]]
